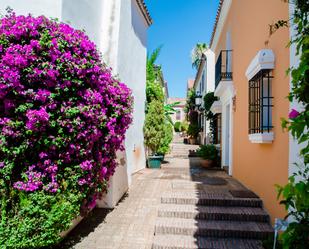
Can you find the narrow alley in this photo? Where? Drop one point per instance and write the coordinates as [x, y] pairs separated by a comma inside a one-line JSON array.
[[139, 124], [180, 205]]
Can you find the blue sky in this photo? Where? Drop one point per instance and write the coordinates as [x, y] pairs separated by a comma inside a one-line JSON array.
[[178, 26]]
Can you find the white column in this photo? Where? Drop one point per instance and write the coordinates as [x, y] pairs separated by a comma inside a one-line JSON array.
[[231, 137]]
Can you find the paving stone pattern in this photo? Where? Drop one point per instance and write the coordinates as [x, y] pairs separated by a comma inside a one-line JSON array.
[[173, 208]]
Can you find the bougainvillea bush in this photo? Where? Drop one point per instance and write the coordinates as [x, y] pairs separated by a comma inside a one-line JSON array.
[[63, 116]]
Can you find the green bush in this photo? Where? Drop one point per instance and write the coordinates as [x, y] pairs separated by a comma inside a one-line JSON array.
[[154, 91], [295, 197], [190, 103], [177, 126], [193, 130], [209, 99], [209, 152], [167, 139], [154, 128], [63, 117], [184, 126]]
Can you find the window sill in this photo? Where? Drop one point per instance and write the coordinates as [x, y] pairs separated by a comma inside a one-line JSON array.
[[261, 138]]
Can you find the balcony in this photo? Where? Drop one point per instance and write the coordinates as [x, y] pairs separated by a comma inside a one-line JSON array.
[[224, 67]]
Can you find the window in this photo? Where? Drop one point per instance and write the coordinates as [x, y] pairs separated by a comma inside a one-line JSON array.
[[260, 102], [178, 115]]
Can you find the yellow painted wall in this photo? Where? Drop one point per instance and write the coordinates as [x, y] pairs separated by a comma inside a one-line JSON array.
[[259, 166]]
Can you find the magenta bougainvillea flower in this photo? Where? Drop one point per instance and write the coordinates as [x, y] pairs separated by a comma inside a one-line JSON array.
[[293, 114], [61, 110]]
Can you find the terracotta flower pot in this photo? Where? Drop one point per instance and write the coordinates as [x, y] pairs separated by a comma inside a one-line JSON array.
[[192, 140], [205, 163]]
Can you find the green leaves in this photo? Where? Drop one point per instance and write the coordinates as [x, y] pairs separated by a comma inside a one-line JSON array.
[[72, 112], [45, 40], [167, 139], [23, 107], [154, 126], [190, 104], [295, 194], [209, 152], [295, 198], [197, 53], [26, 229], [154, 91]]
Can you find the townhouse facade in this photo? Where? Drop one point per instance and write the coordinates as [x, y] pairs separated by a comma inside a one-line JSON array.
[[179, 115], [204, 83], [113, 26], [252, 87]]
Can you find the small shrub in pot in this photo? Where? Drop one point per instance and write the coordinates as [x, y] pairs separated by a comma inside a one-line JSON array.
[[210, 154]]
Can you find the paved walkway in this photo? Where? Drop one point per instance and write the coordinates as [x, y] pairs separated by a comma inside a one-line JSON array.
[[133, 223]]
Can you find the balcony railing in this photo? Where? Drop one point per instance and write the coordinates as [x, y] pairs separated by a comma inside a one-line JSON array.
[[224, 66]]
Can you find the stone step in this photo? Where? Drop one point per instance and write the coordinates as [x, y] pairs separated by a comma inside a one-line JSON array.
[[177, 156], [190, 242], [219, 229], [213, 213], [209, 199]]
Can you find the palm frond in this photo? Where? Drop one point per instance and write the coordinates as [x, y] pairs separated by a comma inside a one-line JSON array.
[[197, 53], [151, 59]]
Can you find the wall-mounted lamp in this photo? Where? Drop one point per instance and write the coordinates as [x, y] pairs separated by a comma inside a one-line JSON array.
[[198, 100]]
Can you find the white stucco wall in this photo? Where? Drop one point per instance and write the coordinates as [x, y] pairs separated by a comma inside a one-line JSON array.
[[209, 70], [47, 8], [226, 92], [120, 32], [132, 70], [180, 109], [85, 15], [294, 147]]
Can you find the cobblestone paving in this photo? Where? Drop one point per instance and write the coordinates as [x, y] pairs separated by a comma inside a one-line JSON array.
[[131, 225]]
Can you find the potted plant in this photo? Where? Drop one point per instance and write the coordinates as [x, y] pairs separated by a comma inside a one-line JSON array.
[[210, 155], [154, 132], [164, 147], [193, 131]]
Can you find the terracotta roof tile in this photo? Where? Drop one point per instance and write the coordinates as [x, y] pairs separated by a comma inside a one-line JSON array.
[[143, 7], [175, 99], [216, 21]]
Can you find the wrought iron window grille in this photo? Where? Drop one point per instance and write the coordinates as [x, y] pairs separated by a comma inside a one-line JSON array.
[[260, 102]]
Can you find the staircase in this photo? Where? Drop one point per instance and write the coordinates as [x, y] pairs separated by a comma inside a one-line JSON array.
[[181, 150], [199, 220]]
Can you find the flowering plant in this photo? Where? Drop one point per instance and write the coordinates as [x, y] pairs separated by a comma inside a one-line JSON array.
[[63, 116], [295, 194]]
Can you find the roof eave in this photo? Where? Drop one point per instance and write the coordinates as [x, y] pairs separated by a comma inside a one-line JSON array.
[[144, 10], [222, 12]]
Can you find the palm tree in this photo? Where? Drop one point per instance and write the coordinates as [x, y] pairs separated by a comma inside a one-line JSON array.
[[152, 68], [197, 53]]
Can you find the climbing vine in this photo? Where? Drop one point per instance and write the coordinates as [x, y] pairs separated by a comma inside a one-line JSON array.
[[295, 195], [209, 99]]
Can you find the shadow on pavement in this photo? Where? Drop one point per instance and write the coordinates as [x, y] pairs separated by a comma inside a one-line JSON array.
[[84, 228]]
